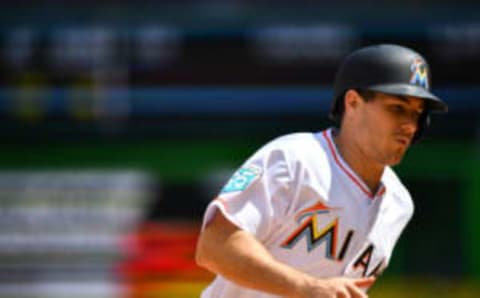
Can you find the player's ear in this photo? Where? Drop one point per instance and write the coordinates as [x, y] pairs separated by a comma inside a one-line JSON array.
[[352, 100]]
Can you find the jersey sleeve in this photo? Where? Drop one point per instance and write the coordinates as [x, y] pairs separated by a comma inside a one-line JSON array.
[[257, 193]]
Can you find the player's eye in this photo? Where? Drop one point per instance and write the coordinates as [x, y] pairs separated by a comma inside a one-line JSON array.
[[401, 111], [397, 109]]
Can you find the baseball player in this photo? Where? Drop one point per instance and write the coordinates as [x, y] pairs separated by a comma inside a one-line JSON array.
[[318, 214]]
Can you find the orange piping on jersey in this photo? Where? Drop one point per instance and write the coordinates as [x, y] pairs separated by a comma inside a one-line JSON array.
[[381, 191], [350, 175]]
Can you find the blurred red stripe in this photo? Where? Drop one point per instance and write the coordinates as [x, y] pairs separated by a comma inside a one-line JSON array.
[[162, 250]]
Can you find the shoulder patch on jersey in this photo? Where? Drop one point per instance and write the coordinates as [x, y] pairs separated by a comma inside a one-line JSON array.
[[242, 178]]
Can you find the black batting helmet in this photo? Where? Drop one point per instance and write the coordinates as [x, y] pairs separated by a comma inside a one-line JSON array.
[[390, 69]]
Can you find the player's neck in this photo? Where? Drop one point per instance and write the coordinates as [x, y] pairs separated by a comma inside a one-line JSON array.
[[368, 170]]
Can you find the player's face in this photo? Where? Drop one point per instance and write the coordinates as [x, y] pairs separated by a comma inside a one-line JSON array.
[[388, 124]]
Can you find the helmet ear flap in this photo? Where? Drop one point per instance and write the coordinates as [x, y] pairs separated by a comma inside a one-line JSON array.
[[422, 125]]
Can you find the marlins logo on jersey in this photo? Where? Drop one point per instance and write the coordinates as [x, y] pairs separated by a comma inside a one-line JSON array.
[[315, 235]]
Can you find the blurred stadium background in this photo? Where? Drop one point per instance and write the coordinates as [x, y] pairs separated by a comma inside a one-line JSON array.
[[122, 119]]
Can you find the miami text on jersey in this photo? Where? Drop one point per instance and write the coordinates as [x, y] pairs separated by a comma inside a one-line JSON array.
[[328, 234]]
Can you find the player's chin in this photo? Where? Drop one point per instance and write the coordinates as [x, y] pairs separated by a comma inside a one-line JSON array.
[[395, 162], [396, 157]]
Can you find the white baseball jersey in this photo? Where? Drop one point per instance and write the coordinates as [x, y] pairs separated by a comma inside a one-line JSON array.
[[303, 202]]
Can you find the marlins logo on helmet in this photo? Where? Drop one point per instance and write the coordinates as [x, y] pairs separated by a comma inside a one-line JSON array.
[[419, 71]]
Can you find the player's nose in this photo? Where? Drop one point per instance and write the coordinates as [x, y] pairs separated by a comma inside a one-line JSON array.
[[409, 126], [410, 121]]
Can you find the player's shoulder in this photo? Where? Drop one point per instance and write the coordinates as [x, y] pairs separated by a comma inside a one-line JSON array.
[[393, 181], [398, 190], [295, 141], [294, 138], [296, 146]]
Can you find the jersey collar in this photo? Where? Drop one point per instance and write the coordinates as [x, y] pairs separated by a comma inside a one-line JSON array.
[[327, 135]]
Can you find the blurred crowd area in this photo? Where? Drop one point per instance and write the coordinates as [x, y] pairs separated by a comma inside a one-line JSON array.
[[121, 120]]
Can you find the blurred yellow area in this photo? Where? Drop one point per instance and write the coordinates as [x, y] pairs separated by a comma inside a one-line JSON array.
[[169, 290], [389, 288]]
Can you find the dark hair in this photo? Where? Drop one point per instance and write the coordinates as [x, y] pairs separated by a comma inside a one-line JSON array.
[[366, 94]]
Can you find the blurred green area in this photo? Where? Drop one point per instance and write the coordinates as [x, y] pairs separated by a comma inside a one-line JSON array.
[[424, 288], [169, 160]]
